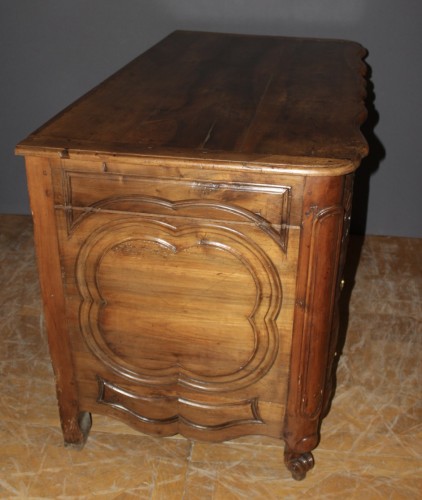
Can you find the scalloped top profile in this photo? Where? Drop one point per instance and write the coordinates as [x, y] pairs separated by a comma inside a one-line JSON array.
[[210, 96]]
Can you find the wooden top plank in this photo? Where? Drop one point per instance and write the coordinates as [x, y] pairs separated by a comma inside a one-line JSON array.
[[210, 95]]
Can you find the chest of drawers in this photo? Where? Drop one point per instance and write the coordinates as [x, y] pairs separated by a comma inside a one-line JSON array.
[[190, 215]]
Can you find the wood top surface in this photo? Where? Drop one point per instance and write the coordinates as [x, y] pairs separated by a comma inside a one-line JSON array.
[[219, 96]]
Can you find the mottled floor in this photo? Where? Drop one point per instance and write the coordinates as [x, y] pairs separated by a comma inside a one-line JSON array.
[[371, 443]]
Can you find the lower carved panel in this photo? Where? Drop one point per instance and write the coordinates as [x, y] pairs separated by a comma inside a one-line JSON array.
[[167, 410]]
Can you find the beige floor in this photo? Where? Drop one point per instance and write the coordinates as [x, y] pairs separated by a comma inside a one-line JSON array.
[[371, 443]]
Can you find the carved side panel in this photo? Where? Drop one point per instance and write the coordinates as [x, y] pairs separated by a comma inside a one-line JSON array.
[[178, 307], [160, 304], [326, 227]]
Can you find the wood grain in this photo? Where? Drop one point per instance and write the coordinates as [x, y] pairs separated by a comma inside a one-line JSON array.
[[190, 218], [251, 97], [75, 424]]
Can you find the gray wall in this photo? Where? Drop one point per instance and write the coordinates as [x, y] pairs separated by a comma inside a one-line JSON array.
[[52, 51]]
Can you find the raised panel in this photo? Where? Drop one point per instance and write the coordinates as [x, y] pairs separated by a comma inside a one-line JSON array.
[[325, 239], [194, 305], [187, 305]]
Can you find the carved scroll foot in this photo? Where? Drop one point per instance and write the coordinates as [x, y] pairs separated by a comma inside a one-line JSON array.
[[298, 463], [76, 433]]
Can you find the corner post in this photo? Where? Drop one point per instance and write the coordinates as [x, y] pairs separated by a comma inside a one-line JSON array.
[[75, 424], [313, 328]]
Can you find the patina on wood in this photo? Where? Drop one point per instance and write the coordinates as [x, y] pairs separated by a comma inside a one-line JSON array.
[[191, 214]]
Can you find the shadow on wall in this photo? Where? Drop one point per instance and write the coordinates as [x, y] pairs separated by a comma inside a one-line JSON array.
[[369, 165]]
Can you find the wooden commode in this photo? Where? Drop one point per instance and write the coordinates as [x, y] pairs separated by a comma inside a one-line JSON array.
[[190, 219]]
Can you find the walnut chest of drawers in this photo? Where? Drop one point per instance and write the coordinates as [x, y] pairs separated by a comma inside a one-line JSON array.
[[190, 215]]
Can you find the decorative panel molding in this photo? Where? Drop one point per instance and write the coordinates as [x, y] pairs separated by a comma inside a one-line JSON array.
[[166, 410], [326, 230], [205, 286], [262, 204]]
